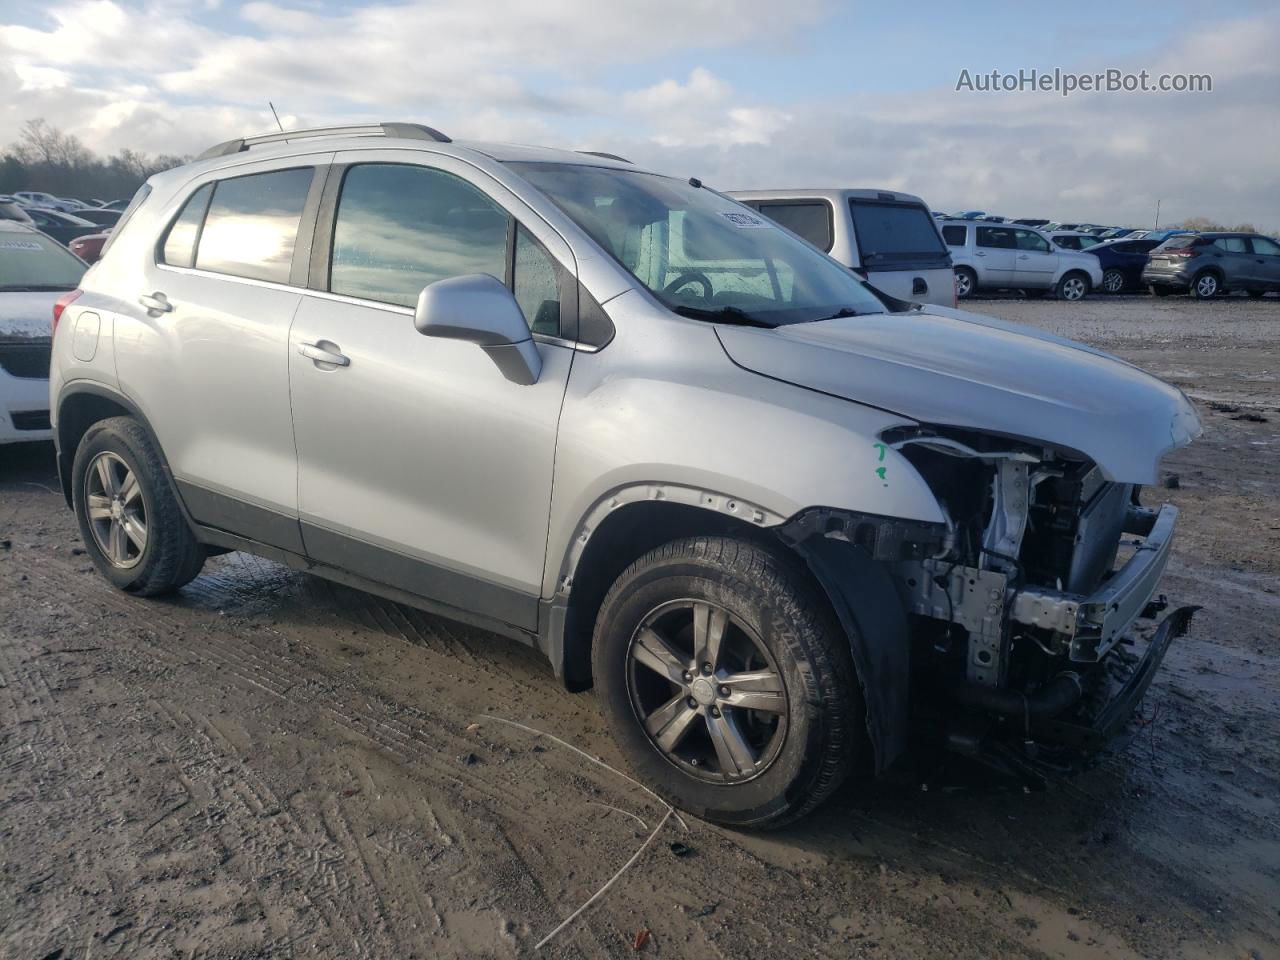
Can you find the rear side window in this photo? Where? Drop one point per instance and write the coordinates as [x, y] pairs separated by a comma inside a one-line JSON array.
[[1231, 244], [1262, 245], [252, 224], [809, 220], [999, 237], [399, 228], [180, 243], [894, 232], [954, 235]]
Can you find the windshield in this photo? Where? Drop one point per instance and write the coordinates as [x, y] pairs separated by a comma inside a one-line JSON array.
[[31, 261], [701, 254]]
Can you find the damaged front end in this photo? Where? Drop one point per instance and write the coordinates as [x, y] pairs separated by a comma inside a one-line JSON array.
[[1020, 606]]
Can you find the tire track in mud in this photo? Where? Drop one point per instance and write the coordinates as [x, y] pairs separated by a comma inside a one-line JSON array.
[[381, 722]]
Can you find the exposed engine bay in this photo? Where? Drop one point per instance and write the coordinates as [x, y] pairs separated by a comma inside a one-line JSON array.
[[1021, 603]]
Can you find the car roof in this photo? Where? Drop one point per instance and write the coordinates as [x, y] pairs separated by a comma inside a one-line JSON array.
[[501, 152], [1070, 233], [832, 194], [16, 226]]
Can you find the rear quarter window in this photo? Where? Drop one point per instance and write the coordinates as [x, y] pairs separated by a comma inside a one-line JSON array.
[[954, 236]]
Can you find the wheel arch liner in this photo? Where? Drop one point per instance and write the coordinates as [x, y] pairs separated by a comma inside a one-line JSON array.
[[865, 600]]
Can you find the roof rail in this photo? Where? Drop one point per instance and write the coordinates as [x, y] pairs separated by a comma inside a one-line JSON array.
[[406, 131], [601, 153]]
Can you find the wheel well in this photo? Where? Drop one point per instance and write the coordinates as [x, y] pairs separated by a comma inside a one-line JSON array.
[[76, 415], [624, 536], [1214, 270]]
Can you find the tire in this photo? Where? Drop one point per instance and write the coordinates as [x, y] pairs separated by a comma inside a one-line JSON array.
[[1206, 285], [138, 538], [1257, 294], [1161, 291], [1072, 287], [1113, 281], [776, 626], [966, 282]]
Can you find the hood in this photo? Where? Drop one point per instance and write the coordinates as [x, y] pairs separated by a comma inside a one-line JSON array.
[[27, 316], [948, 367]]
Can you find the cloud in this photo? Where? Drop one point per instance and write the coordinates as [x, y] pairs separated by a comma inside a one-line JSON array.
[[549, 72]]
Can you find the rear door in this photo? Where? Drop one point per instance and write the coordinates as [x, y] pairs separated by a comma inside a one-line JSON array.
[[898, 246], [1266, 253], [994, 253], [1035, 263], [207, 363]]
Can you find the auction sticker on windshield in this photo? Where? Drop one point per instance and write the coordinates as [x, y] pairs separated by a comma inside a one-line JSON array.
[[744, 220], [20, 245]]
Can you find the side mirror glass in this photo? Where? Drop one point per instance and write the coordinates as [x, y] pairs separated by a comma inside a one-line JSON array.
[[480, 309]]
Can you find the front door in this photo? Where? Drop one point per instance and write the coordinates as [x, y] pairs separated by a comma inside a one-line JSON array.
[[420, 465], [1266, 254], [1035, 263], [993, 254]]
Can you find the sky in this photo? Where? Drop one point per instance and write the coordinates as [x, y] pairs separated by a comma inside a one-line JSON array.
[[741, 93]]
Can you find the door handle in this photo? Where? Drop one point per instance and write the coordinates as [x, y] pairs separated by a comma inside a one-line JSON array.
[[313, 351], [1023, 256], [156, 302], [979, 254]]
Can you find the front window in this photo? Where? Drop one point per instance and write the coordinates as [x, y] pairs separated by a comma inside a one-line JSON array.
[[699, 253], [32, 261]]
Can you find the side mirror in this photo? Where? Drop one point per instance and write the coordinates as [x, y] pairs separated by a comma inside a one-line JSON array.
[[481, 310]]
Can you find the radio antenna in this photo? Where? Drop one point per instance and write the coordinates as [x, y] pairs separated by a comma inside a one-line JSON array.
[[276, 115]]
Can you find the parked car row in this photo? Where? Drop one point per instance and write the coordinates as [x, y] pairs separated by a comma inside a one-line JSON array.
[[83, 231]]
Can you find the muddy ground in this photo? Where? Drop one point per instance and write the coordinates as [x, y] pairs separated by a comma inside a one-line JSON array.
[[267, 765]]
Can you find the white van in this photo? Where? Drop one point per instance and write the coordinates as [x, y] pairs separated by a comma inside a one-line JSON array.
[[890, 238]]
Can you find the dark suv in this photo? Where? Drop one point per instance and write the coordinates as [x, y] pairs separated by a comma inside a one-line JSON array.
[[1208, 264]]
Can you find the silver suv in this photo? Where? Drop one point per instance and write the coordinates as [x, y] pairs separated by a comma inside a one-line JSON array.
[[772, 515], [1002, 256]]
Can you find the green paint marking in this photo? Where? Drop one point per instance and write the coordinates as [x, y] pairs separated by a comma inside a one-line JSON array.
[[881, 447], [880, 472]]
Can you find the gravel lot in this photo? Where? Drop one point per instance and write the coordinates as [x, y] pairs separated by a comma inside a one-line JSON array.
[[267, 765]]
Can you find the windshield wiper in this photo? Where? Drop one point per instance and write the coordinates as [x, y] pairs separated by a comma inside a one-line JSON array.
[[734, 315], [33, 287], [840, 314]]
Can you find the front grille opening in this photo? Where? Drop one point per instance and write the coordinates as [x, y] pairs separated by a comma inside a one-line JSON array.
[[30, 420]]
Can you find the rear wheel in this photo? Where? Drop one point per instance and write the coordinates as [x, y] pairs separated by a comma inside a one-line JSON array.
[[1206, 286], [1113, 281], [1072, 287], [727, 681], [966, 282], [130, 521]]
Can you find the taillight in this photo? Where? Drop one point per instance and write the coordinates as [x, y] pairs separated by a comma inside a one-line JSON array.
[[1183, 252], [64, 301]]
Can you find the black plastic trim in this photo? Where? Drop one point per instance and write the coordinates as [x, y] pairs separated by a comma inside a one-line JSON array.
[[220, 511], [420, 578]]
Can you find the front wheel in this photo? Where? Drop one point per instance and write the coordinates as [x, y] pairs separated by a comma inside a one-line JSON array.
[[1073, 287], [1113, 281], [728, 682]]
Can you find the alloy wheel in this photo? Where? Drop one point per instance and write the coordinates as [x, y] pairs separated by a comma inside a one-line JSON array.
[[1113, 281], [707, 691], [963, 286], [1073, 288], [1207, 285], [117, 513]]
